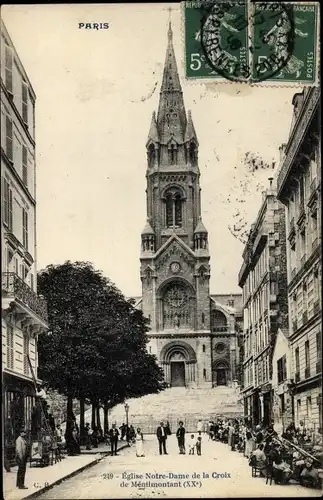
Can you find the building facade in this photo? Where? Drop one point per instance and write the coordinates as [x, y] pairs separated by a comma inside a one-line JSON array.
[[299, 188], [193, 335], [24, 314], [263, 279]]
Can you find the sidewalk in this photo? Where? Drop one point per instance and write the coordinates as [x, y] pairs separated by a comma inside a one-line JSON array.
[[42, 478]]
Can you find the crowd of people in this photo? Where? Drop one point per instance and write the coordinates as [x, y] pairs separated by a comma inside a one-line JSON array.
[[293, 456]]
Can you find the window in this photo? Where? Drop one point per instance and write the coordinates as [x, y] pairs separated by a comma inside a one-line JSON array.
[[32, 284], [10, 347], [24, 104], [25, 228], [174, 204], [172, 154], [24, 272], [204, 373], [24, 165], [9, 259], [318, 345], [281, 369], [297, 359], [203, 348], [7, 204], [307, 354], [309, 407], [298, 412], [193, 153], [301, 194], [8, 67], [231, 303], [9, 138], [282, 404], [26, 354]]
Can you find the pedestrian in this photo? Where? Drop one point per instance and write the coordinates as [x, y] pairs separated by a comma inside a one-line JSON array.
[[199, 446], [199, 426], [162, 437], [51, 422], [191, 445], [139, 443], [123, 431], [88, 436], [21, 459], [114, 436], [180, 434], [167, 428], [250, 445]]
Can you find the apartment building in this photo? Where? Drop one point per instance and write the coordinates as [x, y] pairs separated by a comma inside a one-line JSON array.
[[24, 313], [299, 189], [263, 280]]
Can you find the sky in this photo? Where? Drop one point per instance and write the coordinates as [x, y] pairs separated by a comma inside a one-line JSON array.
[[95, 96]]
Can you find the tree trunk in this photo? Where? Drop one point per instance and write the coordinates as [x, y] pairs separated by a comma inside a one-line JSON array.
[[82, 420], [93, 420], [69, 425], [106, 419], [98, 419]]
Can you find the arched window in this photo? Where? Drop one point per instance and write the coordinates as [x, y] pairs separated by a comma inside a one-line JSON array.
[[219, 321], [176, 307], [151, 155], [174, 208], [172, 154]]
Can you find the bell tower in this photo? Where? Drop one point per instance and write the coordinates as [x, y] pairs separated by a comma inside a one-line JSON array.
[[175, 270]]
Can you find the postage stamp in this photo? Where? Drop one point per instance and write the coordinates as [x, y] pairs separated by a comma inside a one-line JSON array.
[[252, 42]]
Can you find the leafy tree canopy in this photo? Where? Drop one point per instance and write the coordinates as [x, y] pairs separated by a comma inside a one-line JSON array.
[[96, 344]]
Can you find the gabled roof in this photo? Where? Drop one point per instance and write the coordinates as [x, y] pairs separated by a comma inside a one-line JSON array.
[[200, 228], [173, 238]]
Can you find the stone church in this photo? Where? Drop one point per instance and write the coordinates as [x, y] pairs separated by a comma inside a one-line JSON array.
[[194, 335]]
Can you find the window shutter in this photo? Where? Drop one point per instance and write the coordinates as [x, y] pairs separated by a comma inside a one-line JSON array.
[[10, 347], [6, 201], [26, 354], [24, 165], [8, 68], [10, 209], [24, 104], [9, 138], [25, 228]]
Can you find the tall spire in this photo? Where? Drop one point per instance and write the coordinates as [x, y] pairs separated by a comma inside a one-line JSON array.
[[171, 119]]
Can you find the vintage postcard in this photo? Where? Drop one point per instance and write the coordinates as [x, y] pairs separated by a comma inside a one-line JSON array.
[[161, 250]]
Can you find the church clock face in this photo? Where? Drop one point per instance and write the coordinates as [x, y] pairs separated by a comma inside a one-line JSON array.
[[175, 267]]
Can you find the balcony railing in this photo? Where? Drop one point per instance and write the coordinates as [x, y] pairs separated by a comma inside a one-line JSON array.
[[297, 377], [307, 372], [220, 329], [15, 288]]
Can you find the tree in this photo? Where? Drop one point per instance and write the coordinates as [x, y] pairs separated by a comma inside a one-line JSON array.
[[95, 348]]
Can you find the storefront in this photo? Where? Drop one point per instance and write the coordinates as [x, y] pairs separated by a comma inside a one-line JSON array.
[[19, 401]]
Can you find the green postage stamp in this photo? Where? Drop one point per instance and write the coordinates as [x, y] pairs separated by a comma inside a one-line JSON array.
[[253, 42]]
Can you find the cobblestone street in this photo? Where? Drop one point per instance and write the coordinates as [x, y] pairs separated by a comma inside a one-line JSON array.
[[104, 479]]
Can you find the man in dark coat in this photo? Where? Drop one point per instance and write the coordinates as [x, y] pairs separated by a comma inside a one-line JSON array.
[[21, 459], [180, 434], [114, 436], [162, 436]]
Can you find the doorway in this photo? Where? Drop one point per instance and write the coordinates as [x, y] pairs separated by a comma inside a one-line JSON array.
[[177, 372], [221, 377]]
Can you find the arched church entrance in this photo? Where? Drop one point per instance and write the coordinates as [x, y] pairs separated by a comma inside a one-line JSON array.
[[221, 373], [177, 370], [179, 362]]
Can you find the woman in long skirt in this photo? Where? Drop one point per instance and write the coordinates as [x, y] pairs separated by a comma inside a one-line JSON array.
[[139, 443]]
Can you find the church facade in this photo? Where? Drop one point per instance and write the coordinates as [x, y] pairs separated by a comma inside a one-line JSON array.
[[194, 335]]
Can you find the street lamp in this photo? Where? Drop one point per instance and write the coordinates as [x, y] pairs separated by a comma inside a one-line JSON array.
[[126, 407]]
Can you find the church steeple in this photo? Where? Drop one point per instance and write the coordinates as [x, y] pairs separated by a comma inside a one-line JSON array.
[[171, 118]]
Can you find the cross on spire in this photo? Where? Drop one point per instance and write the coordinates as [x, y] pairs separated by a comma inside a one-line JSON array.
[[170, 33]]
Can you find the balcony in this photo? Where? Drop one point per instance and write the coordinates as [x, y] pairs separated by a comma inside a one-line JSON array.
[[307, 372], [319, 366], [20, 298], [301, 219], [312, 200], [292, 232], [297, 377]]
